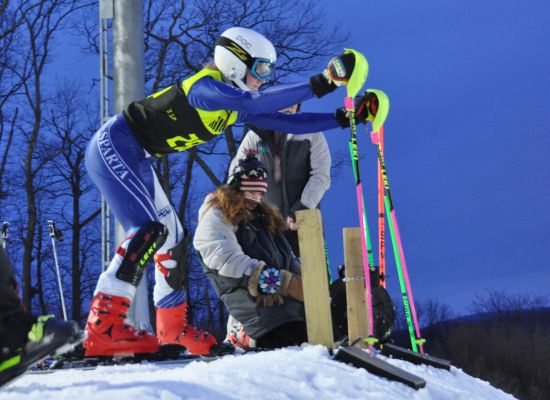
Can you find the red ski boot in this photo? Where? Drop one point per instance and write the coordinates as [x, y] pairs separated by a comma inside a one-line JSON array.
[[108, 334], [237, 336], [173, 328]]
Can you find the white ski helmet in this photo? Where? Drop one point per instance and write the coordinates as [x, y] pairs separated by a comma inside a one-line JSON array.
[[240, 48]]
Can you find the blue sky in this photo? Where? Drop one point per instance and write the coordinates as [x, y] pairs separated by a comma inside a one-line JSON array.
[[467, 142]]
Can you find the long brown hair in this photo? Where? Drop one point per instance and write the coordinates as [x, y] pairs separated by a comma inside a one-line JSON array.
[[231, 203], [211, 65]]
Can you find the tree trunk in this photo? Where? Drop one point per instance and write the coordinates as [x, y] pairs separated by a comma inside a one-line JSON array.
[[75, 247], [31, 206]]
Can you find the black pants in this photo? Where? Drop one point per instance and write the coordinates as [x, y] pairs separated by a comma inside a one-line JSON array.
[[295, 333], [15, 323], [289, 334]]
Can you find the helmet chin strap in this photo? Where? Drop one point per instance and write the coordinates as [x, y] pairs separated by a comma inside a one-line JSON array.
[[238, 82], [241, 85]]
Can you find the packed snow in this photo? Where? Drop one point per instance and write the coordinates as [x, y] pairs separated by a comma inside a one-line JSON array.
[[306, 372]]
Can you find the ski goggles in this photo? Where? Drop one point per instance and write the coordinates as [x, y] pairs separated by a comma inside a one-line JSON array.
[[262, 69]]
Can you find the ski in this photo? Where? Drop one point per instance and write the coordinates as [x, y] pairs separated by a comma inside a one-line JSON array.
[[361, 359], [166, 355], [53, 365], [391, 350]]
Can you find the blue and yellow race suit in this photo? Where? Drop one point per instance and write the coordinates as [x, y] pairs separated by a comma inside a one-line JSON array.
[[194, 111]]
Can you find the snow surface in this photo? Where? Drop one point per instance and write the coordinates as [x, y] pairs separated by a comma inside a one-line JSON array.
[[305, 372]]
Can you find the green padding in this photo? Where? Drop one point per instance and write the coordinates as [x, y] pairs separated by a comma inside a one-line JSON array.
[[359, 75], [10, 362], [383, 109]]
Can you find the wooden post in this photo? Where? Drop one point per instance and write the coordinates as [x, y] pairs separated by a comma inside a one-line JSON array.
[[355, 286], [314, 278]]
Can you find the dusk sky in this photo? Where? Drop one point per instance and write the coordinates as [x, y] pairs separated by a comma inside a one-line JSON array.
[[467, 142]]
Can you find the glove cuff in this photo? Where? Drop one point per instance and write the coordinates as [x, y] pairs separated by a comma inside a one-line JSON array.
[[321, 85], [253, 281], [287, 277], [291, 285], [342, 117]]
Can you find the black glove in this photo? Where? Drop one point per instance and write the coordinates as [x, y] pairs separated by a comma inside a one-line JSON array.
[[337, 73], [366, 107]]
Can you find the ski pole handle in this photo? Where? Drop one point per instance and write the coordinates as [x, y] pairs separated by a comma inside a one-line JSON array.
[[5, 227], [52, 228], [54, 232]]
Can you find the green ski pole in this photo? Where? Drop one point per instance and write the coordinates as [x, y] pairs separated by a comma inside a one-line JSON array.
[[404, 282]]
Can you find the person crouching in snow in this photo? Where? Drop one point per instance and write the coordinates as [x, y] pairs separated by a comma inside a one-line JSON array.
[[186, 114], [240, 239]]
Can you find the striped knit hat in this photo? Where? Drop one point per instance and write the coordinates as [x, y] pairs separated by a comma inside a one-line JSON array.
[[249, 174]]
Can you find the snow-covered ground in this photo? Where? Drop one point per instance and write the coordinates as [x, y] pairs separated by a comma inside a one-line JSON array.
[[292, 373]]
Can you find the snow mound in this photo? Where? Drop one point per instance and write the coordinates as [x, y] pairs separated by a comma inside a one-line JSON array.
[[305, 372]]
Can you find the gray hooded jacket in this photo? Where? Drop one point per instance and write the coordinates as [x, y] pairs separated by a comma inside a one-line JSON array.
[[230, 253]]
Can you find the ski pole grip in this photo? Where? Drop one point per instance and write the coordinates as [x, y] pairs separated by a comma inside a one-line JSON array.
[[52, 228], [375, 137], [348, 103]]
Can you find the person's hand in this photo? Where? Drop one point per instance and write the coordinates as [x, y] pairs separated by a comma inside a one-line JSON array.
[[291, 224], [340, 68], [268, 285], [337, 73], [366, 107]]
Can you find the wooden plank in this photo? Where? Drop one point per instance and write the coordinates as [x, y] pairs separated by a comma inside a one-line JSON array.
[[401, 353], [358, 325], [361, 359], [314, 278]]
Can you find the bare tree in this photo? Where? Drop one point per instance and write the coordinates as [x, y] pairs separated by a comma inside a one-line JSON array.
[[432, 312], [40, 22], [429, 313], [10, 81], [70, 127], [500, 302]]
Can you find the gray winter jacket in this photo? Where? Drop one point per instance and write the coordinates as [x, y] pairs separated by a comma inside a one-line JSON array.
[[305, 167], [230, 253]]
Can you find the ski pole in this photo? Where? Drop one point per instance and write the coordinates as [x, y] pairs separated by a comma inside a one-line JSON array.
[[5, 227], [381, 217], [327, 261], [56, 234], [354, 86], [408, 302]]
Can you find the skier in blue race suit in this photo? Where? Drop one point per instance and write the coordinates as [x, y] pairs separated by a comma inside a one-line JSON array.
[[193, 111]]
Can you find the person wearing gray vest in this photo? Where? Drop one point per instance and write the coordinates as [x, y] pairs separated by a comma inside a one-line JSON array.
[[298, 169]]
